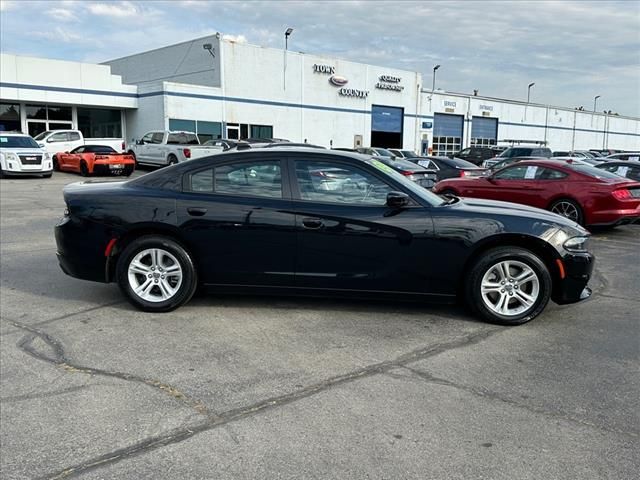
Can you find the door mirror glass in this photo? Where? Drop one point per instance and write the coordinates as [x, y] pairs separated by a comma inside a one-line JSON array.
[[397, 199]]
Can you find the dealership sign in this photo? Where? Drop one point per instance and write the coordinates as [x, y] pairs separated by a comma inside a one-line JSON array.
[[353, 92], [326, 69], [338, 80], [389, 82]]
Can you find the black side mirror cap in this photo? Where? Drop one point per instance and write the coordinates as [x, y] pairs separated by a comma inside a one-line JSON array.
[[397, 199]]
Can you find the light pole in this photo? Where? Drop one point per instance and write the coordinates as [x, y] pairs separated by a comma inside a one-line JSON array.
[[287, 32], [433, 86], [529, 91], [595, 100]]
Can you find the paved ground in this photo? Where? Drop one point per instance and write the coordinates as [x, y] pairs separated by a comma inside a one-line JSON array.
[[252, 387]]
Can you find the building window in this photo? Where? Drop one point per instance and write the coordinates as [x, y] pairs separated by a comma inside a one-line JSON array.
[[100, 122], [205, 130], [9, 117], [261, 131]]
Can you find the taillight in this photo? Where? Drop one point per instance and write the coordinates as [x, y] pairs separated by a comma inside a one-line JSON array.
[[463, 173], [187, 153], [407, 173], [621, 194]]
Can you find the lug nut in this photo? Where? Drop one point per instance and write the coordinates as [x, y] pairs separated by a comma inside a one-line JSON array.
[[155, 281], [502, 290], [153, 268], [149, 275], [516, 287], [502, 283], [162, 277]]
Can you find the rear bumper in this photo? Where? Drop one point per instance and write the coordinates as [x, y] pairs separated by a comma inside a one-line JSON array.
[[77, 253], [615, 217], [105, 169], [573, 288]]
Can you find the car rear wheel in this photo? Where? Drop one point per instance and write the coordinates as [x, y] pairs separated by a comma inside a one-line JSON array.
[[156, 274], [172, 160], [84, 170], [56, 166], [569, 209], [508, 286]]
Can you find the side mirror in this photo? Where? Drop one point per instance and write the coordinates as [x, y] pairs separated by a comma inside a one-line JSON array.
[[490, 178], [397, 199], [140, 142]]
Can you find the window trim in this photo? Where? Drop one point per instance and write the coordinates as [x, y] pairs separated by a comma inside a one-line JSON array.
[[295, 188], [286, 192]]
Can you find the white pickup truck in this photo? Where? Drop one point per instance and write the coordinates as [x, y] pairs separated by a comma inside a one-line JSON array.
[[165, 147], [57, 141]]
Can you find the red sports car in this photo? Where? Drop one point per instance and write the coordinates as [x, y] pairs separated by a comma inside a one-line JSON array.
[[583, 193], [94, 160]]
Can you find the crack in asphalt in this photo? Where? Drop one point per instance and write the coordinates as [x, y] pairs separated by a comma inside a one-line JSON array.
[[33, 396], [59, 359], [211, 422], [484, 393], [62, 317]]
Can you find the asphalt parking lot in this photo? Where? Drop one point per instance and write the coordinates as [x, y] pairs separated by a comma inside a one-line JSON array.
[[256, 387]]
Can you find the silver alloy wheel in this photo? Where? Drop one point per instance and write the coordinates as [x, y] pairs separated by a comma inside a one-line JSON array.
[[510, 288], [155, 275], [566, 209]]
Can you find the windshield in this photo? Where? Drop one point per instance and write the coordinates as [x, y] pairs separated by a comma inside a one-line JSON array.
[[409, 154], [383, 152], [11, 141], [460, 163], [416, 189], [40, 136], [594, 172]]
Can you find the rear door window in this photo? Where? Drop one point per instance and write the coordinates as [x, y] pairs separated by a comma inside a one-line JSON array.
[[157, 137]]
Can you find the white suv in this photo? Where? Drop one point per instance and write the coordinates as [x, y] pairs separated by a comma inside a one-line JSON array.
[[21, 155]]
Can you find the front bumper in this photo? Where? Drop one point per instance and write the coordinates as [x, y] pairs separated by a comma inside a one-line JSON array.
[[27, 173], [578, 268]]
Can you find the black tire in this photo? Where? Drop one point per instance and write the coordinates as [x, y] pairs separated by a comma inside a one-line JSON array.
[[189, 275], [132, 153], [1, 173], [56, 166], [172, 160], [84, 170], [485, 264], [47, 175], [568, 204]]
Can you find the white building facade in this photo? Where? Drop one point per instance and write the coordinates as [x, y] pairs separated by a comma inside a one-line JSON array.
[[223, 89]]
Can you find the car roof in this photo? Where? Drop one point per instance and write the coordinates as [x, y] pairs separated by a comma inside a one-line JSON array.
[[634, 163]]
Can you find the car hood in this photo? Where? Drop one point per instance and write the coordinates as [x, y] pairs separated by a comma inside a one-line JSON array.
[[24, 151], [478, 205]]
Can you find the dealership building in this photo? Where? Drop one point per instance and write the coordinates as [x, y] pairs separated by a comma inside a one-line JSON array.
[[219, 88]]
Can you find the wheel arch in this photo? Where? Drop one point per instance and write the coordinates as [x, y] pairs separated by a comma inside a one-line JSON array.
[[140, 231], [542, 249]]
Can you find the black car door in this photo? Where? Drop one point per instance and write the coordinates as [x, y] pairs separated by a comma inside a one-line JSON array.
[[348, 238], [237, 217]]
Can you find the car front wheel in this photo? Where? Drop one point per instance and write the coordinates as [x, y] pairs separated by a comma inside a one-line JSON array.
[[156, 274], [508, 286]]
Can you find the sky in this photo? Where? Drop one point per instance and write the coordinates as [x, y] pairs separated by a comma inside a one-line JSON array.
[[572, 50]]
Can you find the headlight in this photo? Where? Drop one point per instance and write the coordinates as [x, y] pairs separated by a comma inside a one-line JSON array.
[[47, 156], [577, 244], [11, 156]]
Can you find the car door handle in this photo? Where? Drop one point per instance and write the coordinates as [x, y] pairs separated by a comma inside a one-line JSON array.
[[196, 211], [312, 223]]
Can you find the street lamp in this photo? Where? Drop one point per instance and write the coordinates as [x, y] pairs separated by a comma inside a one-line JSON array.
[[287, 32], [433, 87], [595, 100], [529, 91]]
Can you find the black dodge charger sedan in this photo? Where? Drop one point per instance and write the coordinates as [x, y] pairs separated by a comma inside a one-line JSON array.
[[316, 222]]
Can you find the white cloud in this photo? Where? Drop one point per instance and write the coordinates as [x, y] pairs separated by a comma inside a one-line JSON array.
[[59, 34], [235, 38], [62, 14], [113, 9]]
